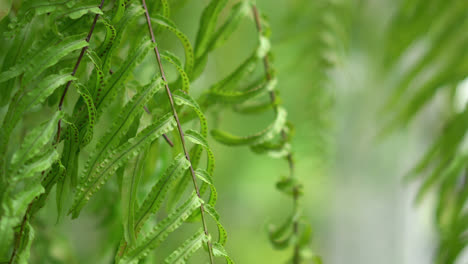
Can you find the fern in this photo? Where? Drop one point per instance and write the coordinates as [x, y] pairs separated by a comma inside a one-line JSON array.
[[438, 69], [100, 119]]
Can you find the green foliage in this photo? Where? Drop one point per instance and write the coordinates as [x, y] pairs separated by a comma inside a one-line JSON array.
[[438, 68], [100, 118]]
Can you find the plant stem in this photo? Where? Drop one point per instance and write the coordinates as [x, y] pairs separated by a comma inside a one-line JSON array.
[[266, 65], [77, 64], [20, 234], [179, 127]]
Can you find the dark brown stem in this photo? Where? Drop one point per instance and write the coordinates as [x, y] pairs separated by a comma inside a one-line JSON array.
[[20, 234], [284, 135], [77, 64], [179, 127]]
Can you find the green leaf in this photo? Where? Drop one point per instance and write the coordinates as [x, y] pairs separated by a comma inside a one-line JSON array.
[[88, 99], [237, 13], [116, 158], [198, 139], [160, 232], [168, 24], [206, 179], [207, 39], [116, 81], [114, 35], [237, 97], [44, 59], [232, 80], [14, 52], [25, 244], [289, 186], [36, 165], [258, 138], [181, 98], [100, 81], [77, 13], [280, 237], [131, 111], [222, 238], [208, 23], [35, 142], [119, 11], [107, 46], [171, 58], [187, 249], [130, 184], [26, 99], [273, 149], [219, 251], [157, 194]]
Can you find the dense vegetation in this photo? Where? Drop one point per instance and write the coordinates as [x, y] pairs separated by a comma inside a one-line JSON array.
[[80, 68], [114, 112]]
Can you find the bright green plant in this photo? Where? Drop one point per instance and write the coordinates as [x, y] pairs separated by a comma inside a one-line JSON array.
[[84, 130]]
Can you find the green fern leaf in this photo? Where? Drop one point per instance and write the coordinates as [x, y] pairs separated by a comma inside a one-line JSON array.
[[187, 249], [26, 99], [130, 184], [208, 23], [35, 142], [44, 59], [116, 158], [114, 35], [115, 83], [157, 194], [131, 111], [159, 233], [25, 244], [219, 251], [171, 58], [88, 99], [189, 57], [257, 138]]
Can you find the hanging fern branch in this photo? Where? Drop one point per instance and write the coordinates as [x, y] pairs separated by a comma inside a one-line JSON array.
[[109, 86], [296, 259], [179, 128]]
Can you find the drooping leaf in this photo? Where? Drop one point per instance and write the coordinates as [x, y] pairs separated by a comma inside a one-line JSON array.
[[44, 59], [187, 249], [130, 184], [258, 138], [157, 194], [189, 57], [131, 111], [160, 232]]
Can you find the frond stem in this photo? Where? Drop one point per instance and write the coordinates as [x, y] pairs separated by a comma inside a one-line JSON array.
[[20, 234], [179, 127]]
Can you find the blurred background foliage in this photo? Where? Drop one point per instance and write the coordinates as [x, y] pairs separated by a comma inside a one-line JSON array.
[[369, 86]]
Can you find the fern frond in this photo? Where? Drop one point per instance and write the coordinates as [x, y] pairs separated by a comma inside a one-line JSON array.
[[131, 111], [116, 158], [160, 232]]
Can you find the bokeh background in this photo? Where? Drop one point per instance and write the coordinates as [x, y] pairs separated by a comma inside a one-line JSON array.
[[333, 87]]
